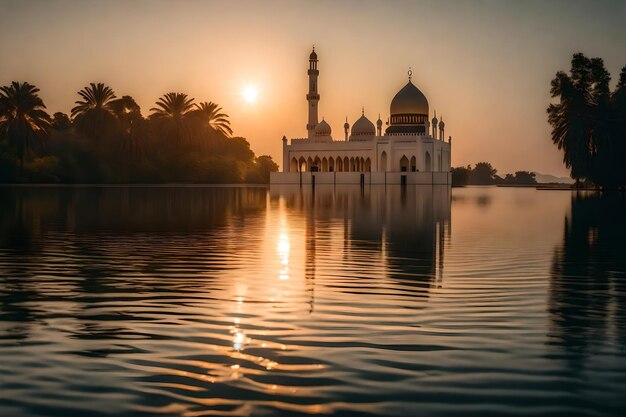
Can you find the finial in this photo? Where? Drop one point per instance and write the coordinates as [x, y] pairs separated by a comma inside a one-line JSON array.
[[363, 111], [410, 73], [435, 114], [313, 47]]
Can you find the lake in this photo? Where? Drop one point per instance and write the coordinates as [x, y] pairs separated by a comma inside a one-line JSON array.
[[197, 301]]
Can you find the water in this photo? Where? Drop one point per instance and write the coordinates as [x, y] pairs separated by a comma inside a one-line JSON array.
[[198, 301]]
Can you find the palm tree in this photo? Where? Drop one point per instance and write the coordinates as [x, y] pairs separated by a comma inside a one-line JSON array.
[[133, 126], [210, 115], [23, 120], [93, 114], [173, 110], [586, 122]]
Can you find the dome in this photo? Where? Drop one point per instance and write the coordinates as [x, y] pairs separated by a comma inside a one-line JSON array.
[[379, 123], [409, 100], [322, 129], [363, 127], [313, 56]]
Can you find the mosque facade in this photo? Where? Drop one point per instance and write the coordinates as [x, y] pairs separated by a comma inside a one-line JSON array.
[[412, 149]]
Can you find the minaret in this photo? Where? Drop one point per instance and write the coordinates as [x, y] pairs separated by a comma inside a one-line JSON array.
[[442, 126], [346, 126], [379, 126], [435, 125], [312, 97]]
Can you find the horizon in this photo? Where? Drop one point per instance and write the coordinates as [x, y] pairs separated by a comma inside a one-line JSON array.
[[363, 64]]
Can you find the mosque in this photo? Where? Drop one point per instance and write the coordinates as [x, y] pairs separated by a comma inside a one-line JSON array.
[[411, 150]]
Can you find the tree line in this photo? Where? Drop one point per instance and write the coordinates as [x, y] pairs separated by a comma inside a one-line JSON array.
[[589, 122], [484, 173], [106, 139]]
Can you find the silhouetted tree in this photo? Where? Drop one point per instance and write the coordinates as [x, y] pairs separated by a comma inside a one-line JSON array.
[[521, 178], [210, 116], [133, 127], [172, 112], [460, 175], [61, 121], [93, 114], [588, 122], [483, 173], [261, 169], [23, 120]]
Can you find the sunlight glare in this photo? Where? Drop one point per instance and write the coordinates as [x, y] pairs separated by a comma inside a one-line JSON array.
[[250, 93]]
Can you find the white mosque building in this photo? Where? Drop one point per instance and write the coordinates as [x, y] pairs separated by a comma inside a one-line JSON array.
[[411, 150]]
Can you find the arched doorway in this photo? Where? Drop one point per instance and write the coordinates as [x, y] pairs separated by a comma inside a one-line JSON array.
[[383, 161], [368, 165], [324, 164], [413, 164], [331, 164], [339, 164], [293, 165], [427, 162], [346, 164], [404, 163], [309, 163], [302, 164]]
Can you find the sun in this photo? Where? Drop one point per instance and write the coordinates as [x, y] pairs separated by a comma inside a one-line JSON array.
[[250, 93]]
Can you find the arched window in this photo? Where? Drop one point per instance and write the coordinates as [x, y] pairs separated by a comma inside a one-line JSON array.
[[383, 161], [427, 162], [339, 166], [404, 164], [293, 166], [413, 164]]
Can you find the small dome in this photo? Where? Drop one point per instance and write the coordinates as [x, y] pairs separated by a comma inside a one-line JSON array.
[[313, 56], [379, 123], [363, 127], [409, 100], [322, 129], [346, 125], [441, 124]]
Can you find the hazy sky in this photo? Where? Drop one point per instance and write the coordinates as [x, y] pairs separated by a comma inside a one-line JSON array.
[[485, 65]]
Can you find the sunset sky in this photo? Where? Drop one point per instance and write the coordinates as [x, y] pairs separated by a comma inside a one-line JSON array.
[[485, 65]]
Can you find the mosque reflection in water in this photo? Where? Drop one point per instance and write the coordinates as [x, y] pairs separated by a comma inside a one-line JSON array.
[[405, 226]]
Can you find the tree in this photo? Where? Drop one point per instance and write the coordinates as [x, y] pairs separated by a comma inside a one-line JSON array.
[[587, 122], [460, 175], [23, 120], [133, 127], [260, 173], [521, 178], [93, 114], [172, 111], [209, 114], [483, 173], [61, 121]]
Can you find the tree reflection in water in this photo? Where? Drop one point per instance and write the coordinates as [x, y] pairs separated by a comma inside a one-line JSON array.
[[587, 299]]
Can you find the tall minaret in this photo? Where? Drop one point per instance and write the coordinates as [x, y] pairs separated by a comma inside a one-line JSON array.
[[312, 97]]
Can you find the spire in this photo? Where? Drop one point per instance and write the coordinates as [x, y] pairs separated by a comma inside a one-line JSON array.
[[410, 72], [363, 111]]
